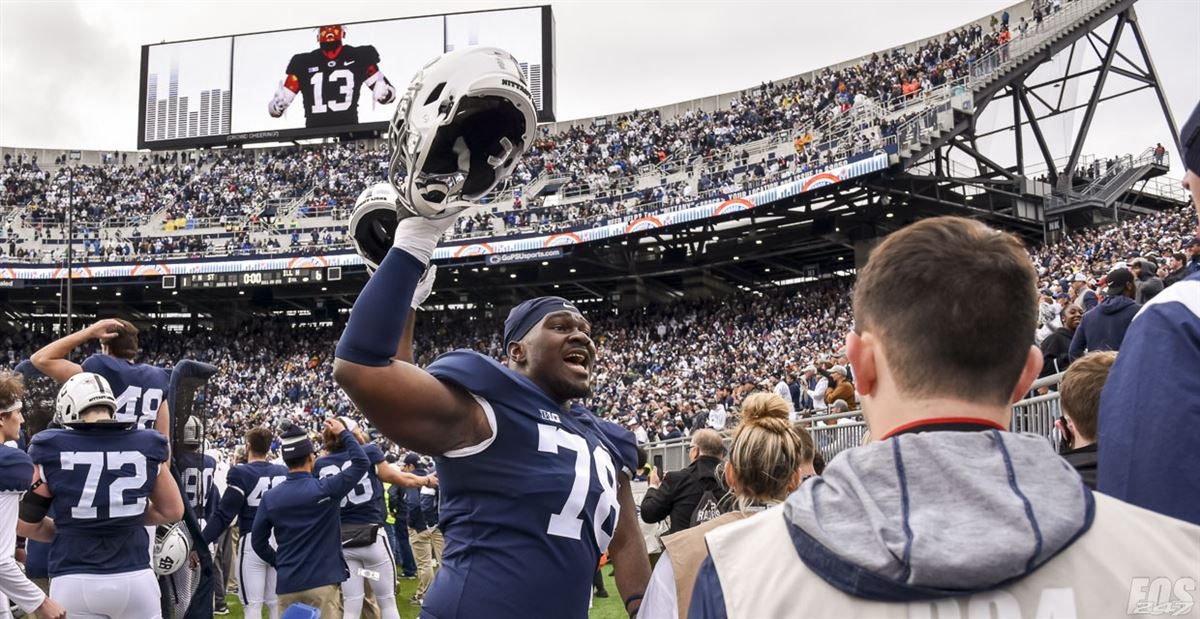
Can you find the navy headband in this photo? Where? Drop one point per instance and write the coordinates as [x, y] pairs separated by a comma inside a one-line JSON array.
[[523, 317]]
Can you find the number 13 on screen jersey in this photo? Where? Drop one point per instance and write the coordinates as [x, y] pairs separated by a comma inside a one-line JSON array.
[[568, 522]]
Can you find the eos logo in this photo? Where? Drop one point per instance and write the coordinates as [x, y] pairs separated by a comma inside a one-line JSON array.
[[517, 85], [1161, 596]]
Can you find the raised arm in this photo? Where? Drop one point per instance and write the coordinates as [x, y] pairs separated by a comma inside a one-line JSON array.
[[406, 403], [392, 474], [52, 360], [339, 485]]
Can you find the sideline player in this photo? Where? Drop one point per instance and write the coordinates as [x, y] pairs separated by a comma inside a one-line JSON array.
[[364, 543], [329, 78], [535, 488], [106, 480], [141, 389], [245, 485], [16, 471]]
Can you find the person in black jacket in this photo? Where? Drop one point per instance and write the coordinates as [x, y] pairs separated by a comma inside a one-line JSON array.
[[680, 492], [1057, 346], [1104, 328]]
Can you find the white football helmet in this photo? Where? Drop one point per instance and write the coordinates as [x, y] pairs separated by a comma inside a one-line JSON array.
[[193, 431], [460, 129], [172, 545], [81, 392], [373, 223]]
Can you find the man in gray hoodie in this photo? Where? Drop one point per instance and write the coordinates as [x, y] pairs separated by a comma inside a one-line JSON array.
[[948, 514]]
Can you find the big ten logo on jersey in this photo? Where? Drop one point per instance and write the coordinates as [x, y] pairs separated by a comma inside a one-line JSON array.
[[261, 487], [139, 406], [196, 481], [1164, 597], [362, 491], [568, 522], [104, 496], [549, 415]]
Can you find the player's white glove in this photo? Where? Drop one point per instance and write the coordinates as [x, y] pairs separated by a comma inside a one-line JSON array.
[[383, 91], [419, 236], [424, 286], [280, 102]]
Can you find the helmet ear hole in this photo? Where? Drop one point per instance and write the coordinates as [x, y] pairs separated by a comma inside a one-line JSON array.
[[435, 93]]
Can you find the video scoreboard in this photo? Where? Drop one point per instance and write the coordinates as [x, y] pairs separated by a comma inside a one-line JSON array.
[[277, 277]]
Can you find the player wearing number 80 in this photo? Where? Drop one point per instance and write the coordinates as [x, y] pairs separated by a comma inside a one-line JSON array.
[[329, 78], [105, 480]]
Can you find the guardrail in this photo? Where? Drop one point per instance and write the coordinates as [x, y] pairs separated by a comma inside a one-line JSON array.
[[834, 434]]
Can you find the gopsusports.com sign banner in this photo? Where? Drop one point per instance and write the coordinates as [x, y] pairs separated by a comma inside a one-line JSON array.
[[522, 249]]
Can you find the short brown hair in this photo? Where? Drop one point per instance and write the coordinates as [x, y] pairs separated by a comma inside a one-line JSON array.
[[1080, 390], [125, 344], [971, 338], [259, 440], [12, 387]]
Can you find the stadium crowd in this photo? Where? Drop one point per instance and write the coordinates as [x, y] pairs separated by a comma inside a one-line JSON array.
[[664, 367], [232, 187]]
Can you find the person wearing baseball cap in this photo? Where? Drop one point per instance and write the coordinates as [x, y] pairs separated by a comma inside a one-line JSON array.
[[1104, 328], [302, 514], [1150, 404]]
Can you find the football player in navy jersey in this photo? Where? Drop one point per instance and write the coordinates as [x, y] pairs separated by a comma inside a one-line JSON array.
[[16, 473], [141, 389], [105, 480], [197, 470], [329, 79], [535, 488], [364, 543], [245, 486]]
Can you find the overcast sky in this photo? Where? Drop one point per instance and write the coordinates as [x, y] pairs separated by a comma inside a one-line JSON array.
[[69, 70]]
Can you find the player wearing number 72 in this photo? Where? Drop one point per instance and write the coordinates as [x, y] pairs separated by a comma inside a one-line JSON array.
[[106, 480], [329, 79]]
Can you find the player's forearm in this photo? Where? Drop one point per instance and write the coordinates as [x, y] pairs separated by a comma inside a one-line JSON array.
[[377, 323], [631, 564], [41, 531], [51, 359]]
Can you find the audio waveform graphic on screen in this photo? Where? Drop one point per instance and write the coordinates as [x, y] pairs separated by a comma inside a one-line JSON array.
[[170, 118]]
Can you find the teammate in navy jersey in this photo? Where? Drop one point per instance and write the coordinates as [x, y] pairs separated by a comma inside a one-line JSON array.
[[329, 79], [196, 470], [105, 480], [302, 512], [364, 543], [141, 389], [534, 488], [245, 486], [16, 474]]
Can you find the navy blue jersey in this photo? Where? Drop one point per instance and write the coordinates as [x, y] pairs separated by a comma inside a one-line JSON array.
[[196, 471], [302, 512], [245, 485], [16, 470], [364, 504], [101, 478], [541, 493], [140, 389]]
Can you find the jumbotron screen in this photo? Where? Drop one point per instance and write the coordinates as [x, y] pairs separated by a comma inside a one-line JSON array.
[[325, 80]]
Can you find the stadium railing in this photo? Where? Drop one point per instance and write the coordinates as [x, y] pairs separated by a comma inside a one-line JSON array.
[[1033, 415]]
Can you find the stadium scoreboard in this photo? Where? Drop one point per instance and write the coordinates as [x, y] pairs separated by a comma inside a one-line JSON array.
[[276, 277], [230, 89]]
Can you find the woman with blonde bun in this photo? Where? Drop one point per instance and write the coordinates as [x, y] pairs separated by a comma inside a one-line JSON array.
[[768, 459]]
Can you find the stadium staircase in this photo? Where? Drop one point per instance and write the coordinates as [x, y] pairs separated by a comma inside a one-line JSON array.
[[947, 111], [1111, 185]]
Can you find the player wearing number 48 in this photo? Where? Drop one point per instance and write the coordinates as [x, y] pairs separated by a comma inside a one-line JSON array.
[[329, 78], [105, 480], [140, 388]]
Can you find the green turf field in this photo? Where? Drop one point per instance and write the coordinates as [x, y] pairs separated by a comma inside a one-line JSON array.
[[605, 608]]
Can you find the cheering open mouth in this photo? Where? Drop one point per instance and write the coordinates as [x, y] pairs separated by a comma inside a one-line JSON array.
[[579, 359]]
